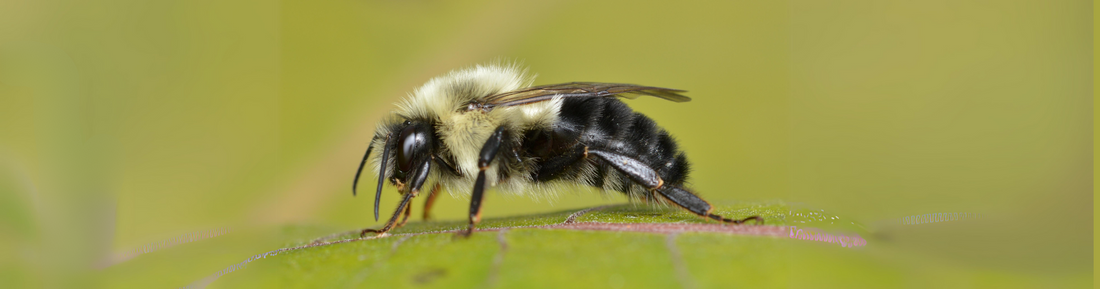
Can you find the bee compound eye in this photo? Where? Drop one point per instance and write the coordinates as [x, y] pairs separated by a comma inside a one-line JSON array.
[[413, 142]]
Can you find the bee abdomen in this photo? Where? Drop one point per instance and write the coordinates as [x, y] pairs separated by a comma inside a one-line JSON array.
[[610, 125]]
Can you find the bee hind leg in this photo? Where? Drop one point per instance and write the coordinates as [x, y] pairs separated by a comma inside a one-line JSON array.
[[685, 199], [644, 175]]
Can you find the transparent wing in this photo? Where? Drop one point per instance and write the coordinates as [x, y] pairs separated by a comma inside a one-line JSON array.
[[580, 89]]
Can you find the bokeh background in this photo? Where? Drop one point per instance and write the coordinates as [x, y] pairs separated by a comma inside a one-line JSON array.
[[128, 122]]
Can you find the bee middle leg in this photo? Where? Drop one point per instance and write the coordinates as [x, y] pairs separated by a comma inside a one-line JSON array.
[[644, 175], [488, 153], [430, 201]]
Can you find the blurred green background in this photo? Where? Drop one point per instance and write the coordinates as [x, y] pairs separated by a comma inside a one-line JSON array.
[[128, 122]]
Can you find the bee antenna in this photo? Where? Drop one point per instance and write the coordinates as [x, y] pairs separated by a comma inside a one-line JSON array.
[[355, 183], [382, 174]]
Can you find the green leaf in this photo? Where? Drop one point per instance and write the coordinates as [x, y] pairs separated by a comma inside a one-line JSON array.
[[527, 251], [622, 246]]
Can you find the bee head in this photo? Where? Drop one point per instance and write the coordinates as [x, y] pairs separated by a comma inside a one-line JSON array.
[[412, 152], [413, 147]]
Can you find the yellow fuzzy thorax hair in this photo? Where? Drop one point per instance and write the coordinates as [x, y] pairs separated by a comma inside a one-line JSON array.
[[443, 100]]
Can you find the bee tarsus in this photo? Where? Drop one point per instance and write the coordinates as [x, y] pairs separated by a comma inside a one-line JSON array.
[[392, 223]]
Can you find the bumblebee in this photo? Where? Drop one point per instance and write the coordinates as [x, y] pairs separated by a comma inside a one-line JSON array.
[[486, 126]]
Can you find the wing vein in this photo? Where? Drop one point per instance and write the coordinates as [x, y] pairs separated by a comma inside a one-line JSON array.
[[579, 90]]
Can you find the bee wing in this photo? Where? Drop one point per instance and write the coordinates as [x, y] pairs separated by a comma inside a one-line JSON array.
[[580, 89]]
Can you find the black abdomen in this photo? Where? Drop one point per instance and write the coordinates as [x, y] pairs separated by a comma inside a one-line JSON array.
[[606, 124]]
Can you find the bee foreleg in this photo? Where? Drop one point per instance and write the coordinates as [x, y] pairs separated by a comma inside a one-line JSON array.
[[419, 175], [408, 211], [488, 153], [644, 175], [393, 220]]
